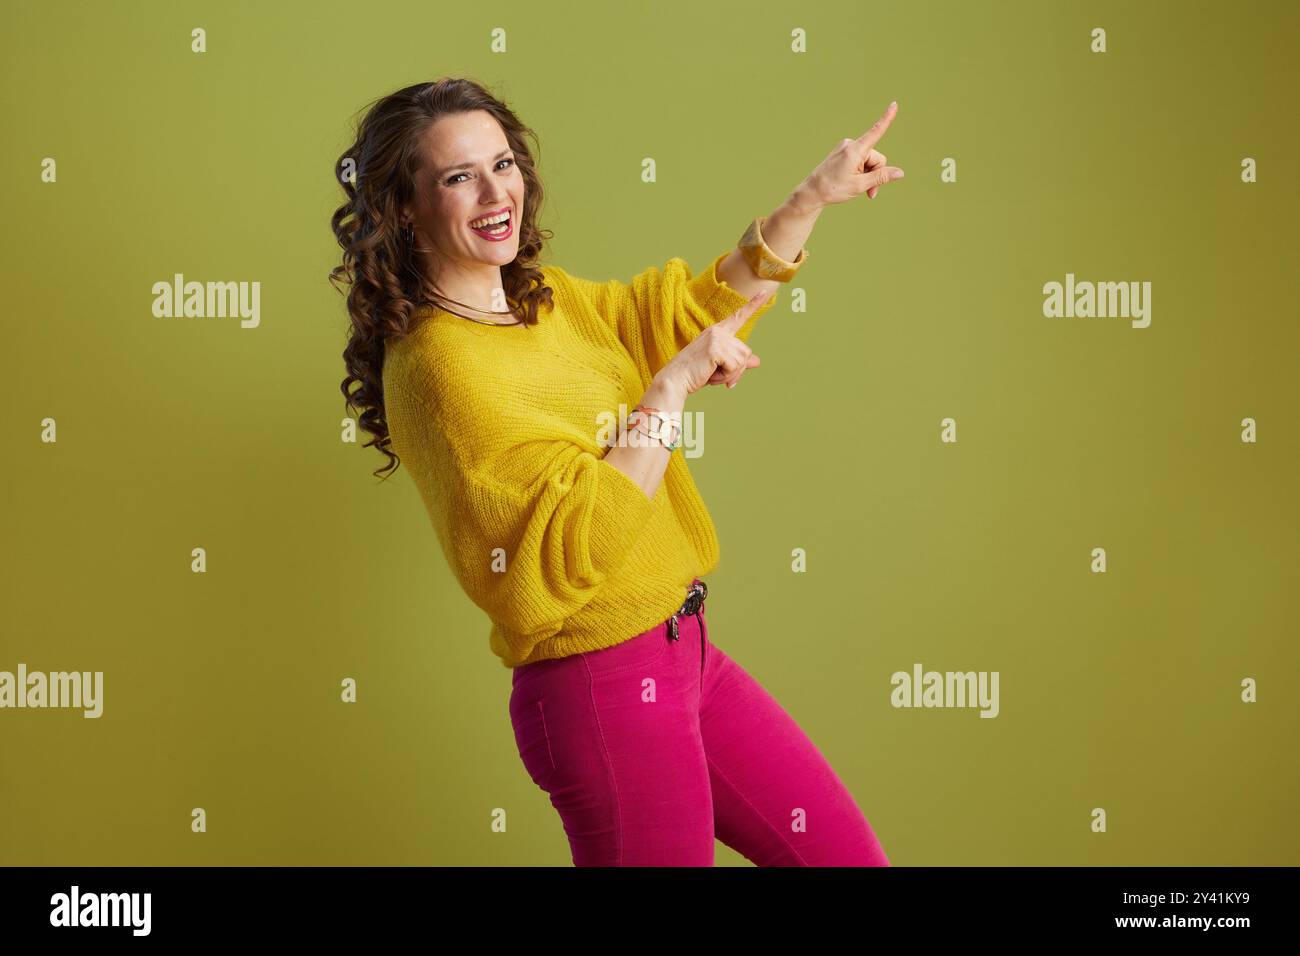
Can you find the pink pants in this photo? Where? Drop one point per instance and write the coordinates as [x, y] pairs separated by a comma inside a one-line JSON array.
[[651, 748]]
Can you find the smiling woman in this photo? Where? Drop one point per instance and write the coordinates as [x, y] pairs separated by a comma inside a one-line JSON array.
[[465, 202], [430, 162], [586, 558]]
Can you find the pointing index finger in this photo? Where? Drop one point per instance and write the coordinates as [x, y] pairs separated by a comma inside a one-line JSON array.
[[741, 315], [872, 136]]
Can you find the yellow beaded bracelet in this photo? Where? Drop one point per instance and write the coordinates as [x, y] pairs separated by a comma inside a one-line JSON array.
[[765, 263]]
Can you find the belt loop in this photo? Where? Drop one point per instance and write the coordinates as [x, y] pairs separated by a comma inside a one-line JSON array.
[[699, 623], [699, 611]]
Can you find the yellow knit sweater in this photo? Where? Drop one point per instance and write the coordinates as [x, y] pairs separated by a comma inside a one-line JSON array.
[[498, 427]]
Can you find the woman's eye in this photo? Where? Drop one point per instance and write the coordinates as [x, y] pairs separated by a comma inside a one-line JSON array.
[[452, 179]]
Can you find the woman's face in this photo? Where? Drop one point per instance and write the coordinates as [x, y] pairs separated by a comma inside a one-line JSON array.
[[487, 182]]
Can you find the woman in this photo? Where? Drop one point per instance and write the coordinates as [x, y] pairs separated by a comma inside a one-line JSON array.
[[491, 375]]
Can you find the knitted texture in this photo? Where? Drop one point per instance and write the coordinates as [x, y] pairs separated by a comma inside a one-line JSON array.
[[501, 428]]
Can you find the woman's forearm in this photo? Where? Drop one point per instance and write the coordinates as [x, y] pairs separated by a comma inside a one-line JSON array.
[[646, 461], [785, 231]]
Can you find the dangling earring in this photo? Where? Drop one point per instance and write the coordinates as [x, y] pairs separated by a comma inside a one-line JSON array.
[[409, 234]]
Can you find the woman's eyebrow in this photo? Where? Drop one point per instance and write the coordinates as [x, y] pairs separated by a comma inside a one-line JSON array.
[[442, 172]]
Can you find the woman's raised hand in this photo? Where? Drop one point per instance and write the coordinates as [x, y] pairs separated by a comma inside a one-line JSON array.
[[854, 167], [715, 355]]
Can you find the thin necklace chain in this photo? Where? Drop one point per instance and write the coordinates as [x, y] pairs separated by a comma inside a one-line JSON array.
[[481, 321], [469, 306], [484, 322], [471, 318]]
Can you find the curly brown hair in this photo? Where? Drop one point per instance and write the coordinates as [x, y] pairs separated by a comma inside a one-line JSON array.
[[389, 278]]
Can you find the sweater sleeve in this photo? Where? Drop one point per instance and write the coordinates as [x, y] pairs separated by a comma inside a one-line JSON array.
[[564, 520], [663, 308], [530, 516]]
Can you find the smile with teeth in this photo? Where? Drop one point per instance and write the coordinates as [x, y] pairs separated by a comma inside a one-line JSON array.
[[497, 225]]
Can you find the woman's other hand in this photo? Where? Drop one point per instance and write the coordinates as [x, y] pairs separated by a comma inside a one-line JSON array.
[[853, 167]]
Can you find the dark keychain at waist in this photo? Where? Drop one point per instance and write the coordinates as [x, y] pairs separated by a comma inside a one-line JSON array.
[[694, 602]]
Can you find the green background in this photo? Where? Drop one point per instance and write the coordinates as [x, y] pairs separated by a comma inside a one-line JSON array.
[[1118, 690]]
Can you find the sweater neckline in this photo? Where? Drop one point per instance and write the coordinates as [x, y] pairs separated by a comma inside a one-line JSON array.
[[436, 314], [434, 311]]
